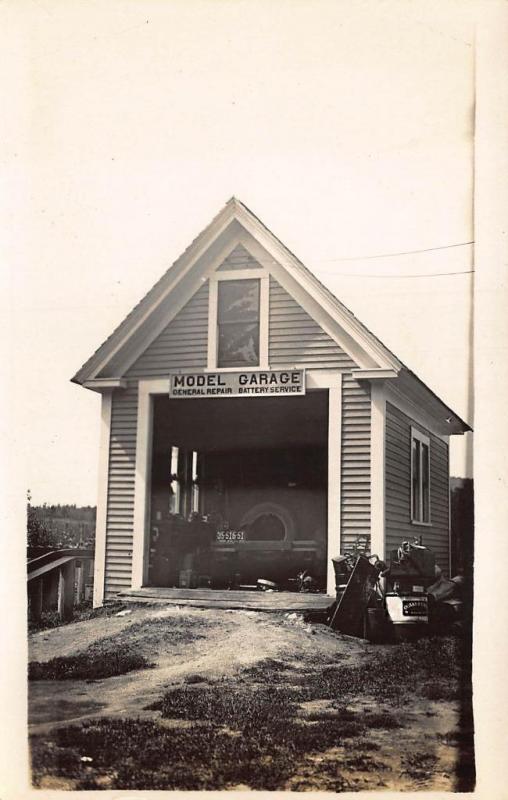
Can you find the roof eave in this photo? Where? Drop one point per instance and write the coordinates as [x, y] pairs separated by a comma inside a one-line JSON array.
[[172, 275], [451, 423], [412, 389]]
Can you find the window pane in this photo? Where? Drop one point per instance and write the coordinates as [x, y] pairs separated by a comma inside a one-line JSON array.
[[174, 483], [416, 479], [195, 485], [238, 301], [425, 483], [174, 460], [238, 345]]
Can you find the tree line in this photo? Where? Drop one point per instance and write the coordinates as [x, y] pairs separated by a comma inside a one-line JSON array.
[[60, 526]]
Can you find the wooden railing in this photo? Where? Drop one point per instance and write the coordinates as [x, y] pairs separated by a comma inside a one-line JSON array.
[[59, 580]]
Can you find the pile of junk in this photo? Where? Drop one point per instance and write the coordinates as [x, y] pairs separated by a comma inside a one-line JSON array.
[[403, 598]]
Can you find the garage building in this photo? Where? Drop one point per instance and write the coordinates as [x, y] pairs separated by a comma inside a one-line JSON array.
[[253, 427]]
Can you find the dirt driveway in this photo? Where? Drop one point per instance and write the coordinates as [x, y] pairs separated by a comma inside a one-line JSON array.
[[296, 705]]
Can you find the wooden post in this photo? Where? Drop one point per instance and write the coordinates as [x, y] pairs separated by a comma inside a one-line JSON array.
[[61, 588], [334, 482], [69, 572], [80, 581], [35, 595], [50, 599], [88, 576], [66, 590]]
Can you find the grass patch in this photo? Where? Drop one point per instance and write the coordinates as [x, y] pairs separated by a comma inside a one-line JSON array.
[[364, 763], [121, 652], [230, 706], [195, 677], [179, 629], [419, 766], [383, 721], [367, 745], [100, 660], [440, 691], [331, 779], [455, 737], [419, 760], [265, 720], [136, 754], [245, 736], [85, 611], [337, 712], [47, 620], [392, 674], [271, 672], [266, 669]]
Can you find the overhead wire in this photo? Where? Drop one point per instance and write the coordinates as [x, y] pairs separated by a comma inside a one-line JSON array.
[[402, 253], [394, 255], [373, 275], [389, 255]]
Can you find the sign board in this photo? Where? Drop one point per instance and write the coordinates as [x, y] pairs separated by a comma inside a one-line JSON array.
[[256, 383]]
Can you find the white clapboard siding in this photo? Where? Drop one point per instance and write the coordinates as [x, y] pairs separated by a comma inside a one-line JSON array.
[[355, 473], [122, 461], [398, 488], [239, 259], [183, 344], [297, 339]]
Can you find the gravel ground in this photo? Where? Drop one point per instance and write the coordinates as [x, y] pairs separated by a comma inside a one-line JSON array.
[[201, 649]]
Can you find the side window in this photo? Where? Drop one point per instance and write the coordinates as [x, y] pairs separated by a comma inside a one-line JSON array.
[[420, 477], [238, 318]]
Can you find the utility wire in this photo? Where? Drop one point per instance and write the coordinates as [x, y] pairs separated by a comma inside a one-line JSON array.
[[385, 255], [373, 275], [405, 253]]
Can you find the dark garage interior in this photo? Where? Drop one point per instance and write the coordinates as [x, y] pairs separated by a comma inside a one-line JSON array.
[[238, 490]]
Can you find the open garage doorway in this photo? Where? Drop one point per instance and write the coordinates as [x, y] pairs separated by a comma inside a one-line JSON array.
[[239, 491]]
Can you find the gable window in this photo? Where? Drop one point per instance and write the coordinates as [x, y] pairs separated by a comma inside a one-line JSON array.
[[238, 323], [420, 477], [238, 319]]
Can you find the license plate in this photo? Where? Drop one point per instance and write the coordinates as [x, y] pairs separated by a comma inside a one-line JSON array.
[[414, 608], [230, 536]]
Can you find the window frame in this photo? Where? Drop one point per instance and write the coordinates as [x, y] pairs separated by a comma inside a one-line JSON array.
[[213, 321], [417, 514]]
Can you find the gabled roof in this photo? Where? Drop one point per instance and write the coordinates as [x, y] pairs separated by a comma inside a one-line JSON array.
[[147, 318]]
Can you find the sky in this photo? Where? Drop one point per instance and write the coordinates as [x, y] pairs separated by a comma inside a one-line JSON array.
[[347, 127]]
